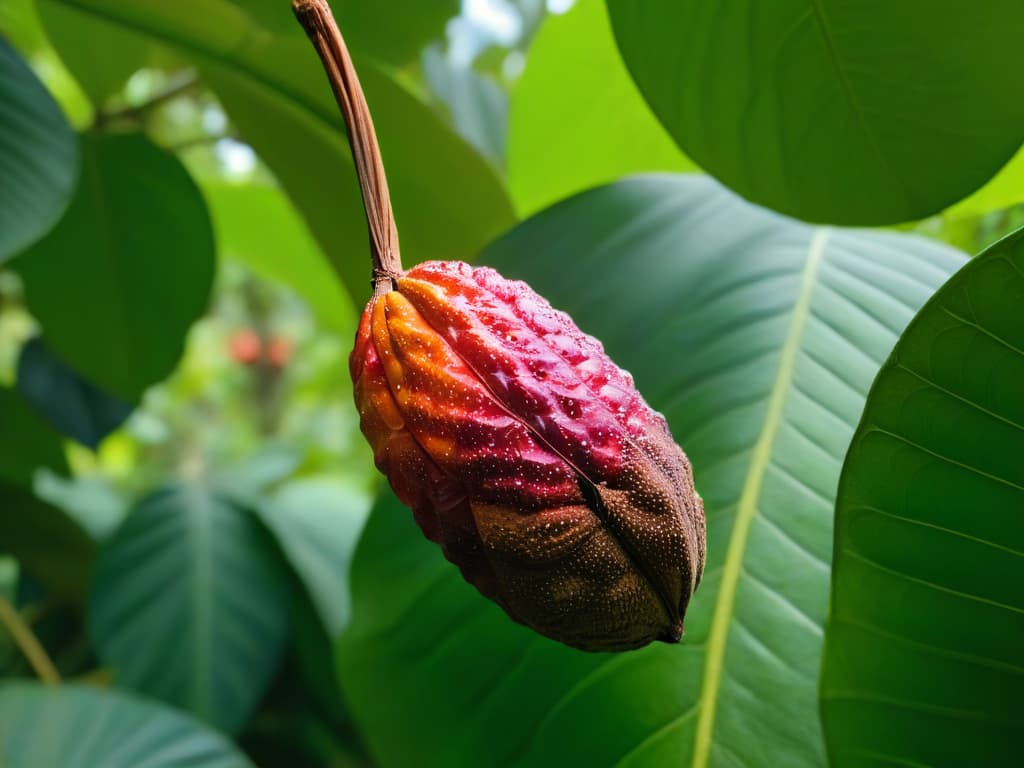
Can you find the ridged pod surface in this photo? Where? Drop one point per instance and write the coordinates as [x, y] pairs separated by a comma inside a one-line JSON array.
[[530, 457]]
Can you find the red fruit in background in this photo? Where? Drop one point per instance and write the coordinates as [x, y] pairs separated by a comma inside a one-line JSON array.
[[530, 457], [522, 449], [279, 352], [245, 347]]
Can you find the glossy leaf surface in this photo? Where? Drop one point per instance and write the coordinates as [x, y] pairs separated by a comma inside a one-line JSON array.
[[88, 727], [757, 337], [38, 156], [924, 661], [189, 605]]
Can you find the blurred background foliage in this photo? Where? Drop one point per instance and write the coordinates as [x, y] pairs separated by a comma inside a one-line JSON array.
[[176, 415]]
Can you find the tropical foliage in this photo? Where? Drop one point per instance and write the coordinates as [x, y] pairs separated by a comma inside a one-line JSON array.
[[198, 563]]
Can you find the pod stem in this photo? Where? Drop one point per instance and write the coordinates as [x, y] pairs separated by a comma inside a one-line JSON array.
[[316, 18]]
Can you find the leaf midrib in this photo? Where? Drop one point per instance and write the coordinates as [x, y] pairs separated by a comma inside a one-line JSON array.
[[747, 507], [199, 524]]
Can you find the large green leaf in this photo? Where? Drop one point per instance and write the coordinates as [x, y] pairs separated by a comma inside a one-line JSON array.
[[577, 119], [38, 156], [868, 112], [317, 522], [128, 269], [77, 727], [189, 605], [924, 658], [48, 544], [275, 91], [758, 337]]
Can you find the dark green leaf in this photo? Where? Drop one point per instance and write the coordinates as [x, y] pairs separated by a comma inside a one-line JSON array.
[[26, 442], [119, 281], [38, 156], [758, 337], [924, 659], [577, 119], [317, 522], [77, 727], [869, 112], [50, 545], [71, 405], [189, 605]]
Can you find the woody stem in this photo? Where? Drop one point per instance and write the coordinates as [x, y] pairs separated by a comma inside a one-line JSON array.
[[318, 21]]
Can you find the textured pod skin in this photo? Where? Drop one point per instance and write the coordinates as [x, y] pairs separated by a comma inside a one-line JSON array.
[[530, 457]]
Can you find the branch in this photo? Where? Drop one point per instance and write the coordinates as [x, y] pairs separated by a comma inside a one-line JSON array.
[[29, 644], [179, 84]]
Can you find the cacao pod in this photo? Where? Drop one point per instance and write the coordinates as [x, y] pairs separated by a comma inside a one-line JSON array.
[[529, 456], [522, 450]]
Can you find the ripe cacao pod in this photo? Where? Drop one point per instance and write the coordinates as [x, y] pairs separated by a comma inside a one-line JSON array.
[[529, 456], [522, 450]]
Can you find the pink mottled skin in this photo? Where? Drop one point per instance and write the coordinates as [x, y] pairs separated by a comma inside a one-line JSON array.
[[529, 456]]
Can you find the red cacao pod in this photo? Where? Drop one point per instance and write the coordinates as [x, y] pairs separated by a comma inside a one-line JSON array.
[[522, 449], [529, 456]]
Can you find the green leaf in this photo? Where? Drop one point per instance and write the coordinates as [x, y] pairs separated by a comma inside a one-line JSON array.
[[317, 522], [927, 613], [119, 281], [38, 156], [69, 403], [101, 56], [49, 544], [758, 337], [189, 605], [843, 112], [257, 226], [88, 727], [275, 91], [577, 119], [26, 442]]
